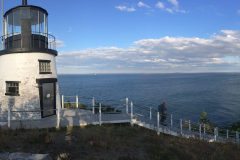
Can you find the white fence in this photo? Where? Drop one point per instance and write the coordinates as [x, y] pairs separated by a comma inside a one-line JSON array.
[[145, 114], [92, 103], [200, 130]]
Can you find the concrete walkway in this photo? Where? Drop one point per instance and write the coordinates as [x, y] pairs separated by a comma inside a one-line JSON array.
[[71, 117]]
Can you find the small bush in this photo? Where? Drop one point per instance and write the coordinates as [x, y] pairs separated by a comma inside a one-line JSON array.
[[236, 126]]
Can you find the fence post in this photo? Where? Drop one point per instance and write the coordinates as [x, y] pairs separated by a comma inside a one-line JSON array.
[[9, 117], [171, 120], [100, 115], [200, 131], [58, 117], [237, 138], [150, 113], [158, 123], [131, 113], [227, 133], [58, 114], [217, 131], [77, 101], [126, 105], [204, 129], [93, 104], [189, 123], [215, 138], [62, 101], [181, 125]]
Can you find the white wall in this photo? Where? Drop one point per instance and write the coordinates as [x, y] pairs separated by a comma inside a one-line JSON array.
[[24, 67]]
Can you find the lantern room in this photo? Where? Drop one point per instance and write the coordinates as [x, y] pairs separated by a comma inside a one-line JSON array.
[[26, 27]]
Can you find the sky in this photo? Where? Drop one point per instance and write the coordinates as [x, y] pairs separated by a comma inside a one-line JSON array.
[[147, 36]]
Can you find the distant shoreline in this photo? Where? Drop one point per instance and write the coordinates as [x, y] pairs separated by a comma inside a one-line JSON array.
[[148, 73]]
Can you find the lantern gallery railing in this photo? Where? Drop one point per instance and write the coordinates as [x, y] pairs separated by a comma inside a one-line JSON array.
[[28, 40]]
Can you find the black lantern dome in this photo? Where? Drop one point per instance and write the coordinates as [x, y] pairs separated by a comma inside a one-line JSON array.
[[26, 30]]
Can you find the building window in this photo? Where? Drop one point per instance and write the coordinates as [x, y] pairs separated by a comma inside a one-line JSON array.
[[12, 88], [44, 67]]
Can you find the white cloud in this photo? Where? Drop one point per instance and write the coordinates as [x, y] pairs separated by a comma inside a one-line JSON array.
[[124, 8], [162, 55], [131, 9], [59, 43], [140, 4], [207, 8], [175, 8], [174, 2], [169, 10], [183, 11], [70, 29], [238, 11], [160, 5]]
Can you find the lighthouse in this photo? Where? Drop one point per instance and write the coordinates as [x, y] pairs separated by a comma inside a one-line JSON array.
[[28, 74]]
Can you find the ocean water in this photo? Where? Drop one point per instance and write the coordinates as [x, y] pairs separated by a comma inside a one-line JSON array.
[[186, 94]]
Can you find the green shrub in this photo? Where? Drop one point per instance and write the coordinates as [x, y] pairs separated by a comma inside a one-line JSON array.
[[104, 108], [204, 119], [236, 126], [118, 110], [68, 104]]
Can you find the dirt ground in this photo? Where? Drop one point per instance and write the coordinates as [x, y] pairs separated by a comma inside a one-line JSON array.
[[111, 141]]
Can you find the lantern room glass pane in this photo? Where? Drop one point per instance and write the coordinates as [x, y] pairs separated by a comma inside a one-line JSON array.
[[25, 13], [47, 24], [6, 27], [16, 22], [42, 23], [35, 21], [10, 26], [46, 21]]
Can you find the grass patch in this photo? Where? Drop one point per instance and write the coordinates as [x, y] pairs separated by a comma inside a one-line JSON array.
[[111, 141]]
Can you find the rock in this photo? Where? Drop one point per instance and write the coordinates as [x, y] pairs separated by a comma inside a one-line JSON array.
[[3, 123], [64, 155], [23, 156], [4, 155], [58, 157], [19, 156], [40, 157]]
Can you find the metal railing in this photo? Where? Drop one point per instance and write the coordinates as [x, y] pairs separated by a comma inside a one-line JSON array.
[[143, 113], [107, 106], [35, 40], [202, 131], [38, 111], [147, 115]]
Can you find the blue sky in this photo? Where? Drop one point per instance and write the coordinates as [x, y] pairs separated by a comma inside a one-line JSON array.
[[132, 36]]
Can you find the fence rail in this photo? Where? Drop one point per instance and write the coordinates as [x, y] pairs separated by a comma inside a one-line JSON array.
[[138, 110], [143, 113]]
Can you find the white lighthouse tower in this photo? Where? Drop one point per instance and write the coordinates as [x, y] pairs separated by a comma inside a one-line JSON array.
[[28, 75]]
